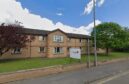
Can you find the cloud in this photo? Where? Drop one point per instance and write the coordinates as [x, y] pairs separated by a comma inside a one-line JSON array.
[[89, 6], [88, 28], [11, 10], [101, 2], [59, 14]]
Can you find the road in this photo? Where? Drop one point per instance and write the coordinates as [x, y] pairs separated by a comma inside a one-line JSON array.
[[122, 78], [82, 76]]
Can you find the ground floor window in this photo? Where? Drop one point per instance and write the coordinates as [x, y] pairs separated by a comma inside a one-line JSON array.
[[42, 49], [16, 50], [58, 50]]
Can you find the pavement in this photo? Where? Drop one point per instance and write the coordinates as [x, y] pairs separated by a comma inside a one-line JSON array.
[[82, 76]]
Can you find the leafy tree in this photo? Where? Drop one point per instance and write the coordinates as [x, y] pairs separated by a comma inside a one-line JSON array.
[[110, 35], [11, 36], [125, 48]]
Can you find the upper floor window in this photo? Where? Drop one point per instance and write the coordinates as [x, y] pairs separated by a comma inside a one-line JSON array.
[[58, 38], [41, 38]]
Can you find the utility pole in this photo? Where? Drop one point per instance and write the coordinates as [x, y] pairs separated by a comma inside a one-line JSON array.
[[88, 53], [95, 49], [30, 45]]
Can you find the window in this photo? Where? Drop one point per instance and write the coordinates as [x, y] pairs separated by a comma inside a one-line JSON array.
[[16, 50], [41, 49], [57, 38], [58, 50], [41, 38]]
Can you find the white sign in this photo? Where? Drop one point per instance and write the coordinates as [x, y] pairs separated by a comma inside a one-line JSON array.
[[75, 53]]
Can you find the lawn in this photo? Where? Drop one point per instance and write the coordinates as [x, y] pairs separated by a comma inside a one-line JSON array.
[[15, 65]]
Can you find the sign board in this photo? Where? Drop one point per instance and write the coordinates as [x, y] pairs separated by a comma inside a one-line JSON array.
[[75, 53]]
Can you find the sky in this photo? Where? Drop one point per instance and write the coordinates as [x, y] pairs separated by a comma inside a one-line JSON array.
[[72, 16]]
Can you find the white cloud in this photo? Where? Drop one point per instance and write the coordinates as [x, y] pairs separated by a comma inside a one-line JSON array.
[[11, 10], [89, 6], [59, 14], [101, 2], [88, 28], [81, 30]]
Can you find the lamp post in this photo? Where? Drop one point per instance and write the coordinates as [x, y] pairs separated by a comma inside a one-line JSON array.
[[95, 49]]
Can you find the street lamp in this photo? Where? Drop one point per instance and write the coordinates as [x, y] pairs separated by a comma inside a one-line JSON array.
[[95, 49]]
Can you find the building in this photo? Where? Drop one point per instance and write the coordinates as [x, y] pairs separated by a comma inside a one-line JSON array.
[[50, 44]]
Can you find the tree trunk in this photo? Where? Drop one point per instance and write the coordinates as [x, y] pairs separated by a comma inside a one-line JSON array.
[[0, 52], [107, 51]]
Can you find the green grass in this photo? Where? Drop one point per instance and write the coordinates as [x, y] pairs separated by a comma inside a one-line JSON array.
[[15, 65]]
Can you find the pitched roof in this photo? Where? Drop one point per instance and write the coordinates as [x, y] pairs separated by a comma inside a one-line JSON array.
[[71, 35], [35, 31], [45, 33], [57, 30]]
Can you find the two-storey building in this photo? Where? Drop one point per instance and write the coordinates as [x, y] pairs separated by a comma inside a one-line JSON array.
[[49, 44]]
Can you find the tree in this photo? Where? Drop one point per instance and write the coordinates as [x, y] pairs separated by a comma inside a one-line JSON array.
[[126, 47], [110, 35], [11, 37]]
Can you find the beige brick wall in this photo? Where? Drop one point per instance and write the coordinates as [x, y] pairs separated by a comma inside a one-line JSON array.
[[75, 43], [36, 53], [71, 42], [51, 45], [36, 44], [24, 54]]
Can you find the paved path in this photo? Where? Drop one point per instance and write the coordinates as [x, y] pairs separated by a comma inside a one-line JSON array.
[[80, 76]]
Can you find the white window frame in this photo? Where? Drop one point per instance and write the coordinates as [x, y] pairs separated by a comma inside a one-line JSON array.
[[58, 38], [56, 51], [40, 50], [41, 38]]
